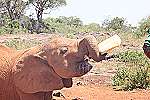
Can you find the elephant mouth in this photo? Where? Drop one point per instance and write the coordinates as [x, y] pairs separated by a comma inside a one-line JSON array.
[[84, 67]]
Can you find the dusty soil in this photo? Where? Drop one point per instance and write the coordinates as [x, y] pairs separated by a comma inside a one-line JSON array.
[[102, 92], [96, 85]]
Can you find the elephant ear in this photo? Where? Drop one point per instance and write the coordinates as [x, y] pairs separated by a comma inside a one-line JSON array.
[[33, 74]]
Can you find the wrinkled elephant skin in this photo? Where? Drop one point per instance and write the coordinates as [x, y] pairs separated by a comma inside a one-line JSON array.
[[33, 74]]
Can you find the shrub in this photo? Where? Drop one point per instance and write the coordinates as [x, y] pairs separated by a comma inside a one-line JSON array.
[[135, 73], [2, 30], [144, 25], [133, 57], [12, 27], [22, 43]]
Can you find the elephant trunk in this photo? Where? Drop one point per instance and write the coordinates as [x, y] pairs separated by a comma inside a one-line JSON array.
[[89, 47]]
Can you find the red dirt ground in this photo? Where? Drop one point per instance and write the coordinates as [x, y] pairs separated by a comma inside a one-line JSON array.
[[103, 92], [97, 86]]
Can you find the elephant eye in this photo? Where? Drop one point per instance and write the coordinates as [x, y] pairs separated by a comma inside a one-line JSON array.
[[63, 50]]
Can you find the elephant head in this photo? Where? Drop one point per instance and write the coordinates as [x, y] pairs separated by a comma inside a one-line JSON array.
[[68, 56], [53, 65]]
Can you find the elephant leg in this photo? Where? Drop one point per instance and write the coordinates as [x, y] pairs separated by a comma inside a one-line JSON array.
[[35, 96], [48, 95], [67, 82]]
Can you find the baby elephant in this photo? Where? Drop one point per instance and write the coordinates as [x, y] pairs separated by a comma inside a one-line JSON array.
[[33, 74]]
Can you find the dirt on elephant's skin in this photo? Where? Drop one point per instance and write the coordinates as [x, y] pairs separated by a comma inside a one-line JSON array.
[[102, 92], [92, 87]]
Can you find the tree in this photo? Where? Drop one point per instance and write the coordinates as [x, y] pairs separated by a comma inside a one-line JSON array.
[[144, 25], [11, 12], [106, 24], [63, 25], [45, 5], [13, 8], [115, 24], [92, 27], [71, 21]]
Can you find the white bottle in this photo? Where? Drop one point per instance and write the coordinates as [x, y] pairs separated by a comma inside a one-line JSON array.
[[109, 43]]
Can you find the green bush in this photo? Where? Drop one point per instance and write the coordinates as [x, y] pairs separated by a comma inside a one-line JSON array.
[[22, 43], [113, 24], [92, 27], [12, 27], [144, 25], [70, 26], [2, 30], [133, 57], [134, 74], [138, 33]]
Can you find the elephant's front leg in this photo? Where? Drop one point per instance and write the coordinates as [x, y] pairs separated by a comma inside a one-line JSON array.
[[36, 96], [48, 95]]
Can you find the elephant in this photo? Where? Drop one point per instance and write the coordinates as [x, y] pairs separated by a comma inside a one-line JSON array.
[[34, 73]]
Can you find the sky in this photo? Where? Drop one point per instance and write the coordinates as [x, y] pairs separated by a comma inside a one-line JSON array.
[[98, 10]]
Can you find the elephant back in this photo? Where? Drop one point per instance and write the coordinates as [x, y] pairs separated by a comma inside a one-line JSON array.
[[6, 48]]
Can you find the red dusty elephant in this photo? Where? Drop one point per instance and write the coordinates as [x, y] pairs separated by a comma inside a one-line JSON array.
[[33, 74]]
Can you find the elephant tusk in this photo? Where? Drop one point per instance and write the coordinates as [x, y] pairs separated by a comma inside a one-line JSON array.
[[109, 44]]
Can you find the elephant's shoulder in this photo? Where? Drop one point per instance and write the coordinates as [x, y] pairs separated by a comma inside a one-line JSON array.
[[28, 51]]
